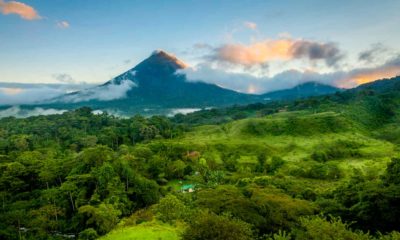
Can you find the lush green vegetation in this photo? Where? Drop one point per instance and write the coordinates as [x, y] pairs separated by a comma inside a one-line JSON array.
[[319, 168], [145, 231]]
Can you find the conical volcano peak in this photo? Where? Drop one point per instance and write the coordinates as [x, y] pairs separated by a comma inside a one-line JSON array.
[[161, 52], [163, 56], [157, 66]]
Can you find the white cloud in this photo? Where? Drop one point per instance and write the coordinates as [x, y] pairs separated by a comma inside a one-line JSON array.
[[183, 111], [29, 94], [106, 92], [18, 112], [250, 25], [63, 24], [246, 82], [64, 78], [22, 93]]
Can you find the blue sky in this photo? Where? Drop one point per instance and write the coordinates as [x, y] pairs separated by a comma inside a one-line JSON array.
[[94, 40]]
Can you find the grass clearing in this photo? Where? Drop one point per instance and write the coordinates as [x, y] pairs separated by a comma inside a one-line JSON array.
[[146, 231]]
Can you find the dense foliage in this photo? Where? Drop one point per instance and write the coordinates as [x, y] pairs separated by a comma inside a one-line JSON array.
[[319, 168]]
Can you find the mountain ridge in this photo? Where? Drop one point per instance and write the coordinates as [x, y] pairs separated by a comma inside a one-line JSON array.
[[306, 89], [154, 86]]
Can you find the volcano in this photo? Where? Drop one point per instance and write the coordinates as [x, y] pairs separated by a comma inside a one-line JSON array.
[[157, 86], [152, 85]]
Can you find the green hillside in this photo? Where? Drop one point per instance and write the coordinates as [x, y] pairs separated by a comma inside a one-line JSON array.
[[319, 168]]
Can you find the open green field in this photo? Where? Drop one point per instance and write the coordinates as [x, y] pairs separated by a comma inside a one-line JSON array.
[[145, 231]]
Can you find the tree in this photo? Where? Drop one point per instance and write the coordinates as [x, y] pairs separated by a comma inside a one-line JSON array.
[[148, 132], [45, 219], [176, 169], [144, 192], [94, 157], [104, 175], [214, 227], [261, 159], [319, 228], [88, 234], [392, 175], [276, 163], [170, 208], [103, 217], [229, 199]]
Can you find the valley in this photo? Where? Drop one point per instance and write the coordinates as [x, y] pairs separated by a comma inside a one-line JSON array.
[[199, 120], [267, 172]]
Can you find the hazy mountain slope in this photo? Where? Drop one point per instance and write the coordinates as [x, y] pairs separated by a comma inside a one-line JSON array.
[[301, 91], [381, 85]]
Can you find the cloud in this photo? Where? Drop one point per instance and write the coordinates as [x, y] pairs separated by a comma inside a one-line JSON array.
[[13, 96], [256, 53], [64, 78], [248, 83], [372, 54], [23, 10], [281, 49], [202, 46], [21, 93], [329, 52], [19, 112], [106, 92], [184, 111], [63, 24], [11, 91], [364, 75], [250, 25]]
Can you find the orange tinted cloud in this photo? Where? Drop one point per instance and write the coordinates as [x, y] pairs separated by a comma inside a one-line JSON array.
[[281, 49], [365, 75], [24, 11], [256, 53], [369, 75], [372, 76]]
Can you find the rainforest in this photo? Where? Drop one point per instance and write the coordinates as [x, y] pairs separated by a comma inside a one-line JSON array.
[[324, 167]]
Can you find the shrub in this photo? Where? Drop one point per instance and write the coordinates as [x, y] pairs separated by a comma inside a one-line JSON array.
[[88, 234], [319, 156], [140, 216], [319, 228], [211, 226], [316, 170], [104, 217], [171, 208], [275, 164]]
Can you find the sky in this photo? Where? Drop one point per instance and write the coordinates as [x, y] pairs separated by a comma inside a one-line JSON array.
[[250, 45]]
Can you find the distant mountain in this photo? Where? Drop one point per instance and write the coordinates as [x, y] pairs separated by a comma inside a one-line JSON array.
[[383, 85], [307, 89], [154, 84]]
